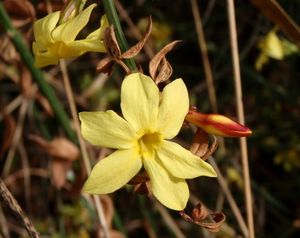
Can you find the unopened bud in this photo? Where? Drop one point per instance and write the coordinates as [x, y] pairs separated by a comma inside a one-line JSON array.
[[217, 124]]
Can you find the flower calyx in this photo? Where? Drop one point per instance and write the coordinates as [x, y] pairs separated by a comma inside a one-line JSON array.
[[114, 52]]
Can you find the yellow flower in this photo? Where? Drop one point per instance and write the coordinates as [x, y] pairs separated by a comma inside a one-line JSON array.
[[271, 47], [54, 42], [141, 138]]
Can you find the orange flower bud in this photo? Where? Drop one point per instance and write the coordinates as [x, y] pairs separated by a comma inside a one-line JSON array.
[[217, 124]]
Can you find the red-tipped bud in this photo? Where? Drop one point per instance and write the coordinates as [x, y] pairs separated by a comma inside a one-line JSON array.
[[217, 124]]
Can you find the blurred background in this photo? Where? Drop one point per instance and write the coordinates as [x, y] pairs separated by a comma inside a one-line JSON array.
[[42, 167]]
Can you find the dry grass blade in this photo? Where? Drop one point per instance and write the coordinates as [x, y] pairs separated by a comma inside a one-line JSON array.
[[204, 55], [83, 149], [169, 220], [241, 116], [12, 203], [272, 10]]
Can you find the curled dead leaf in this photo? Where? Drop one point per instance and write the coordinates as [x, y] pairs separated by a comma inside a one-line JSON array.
[[105, 66], [165, 71], [134, 50], [158, 58], [201, 146], [111, 43], [201, 216]]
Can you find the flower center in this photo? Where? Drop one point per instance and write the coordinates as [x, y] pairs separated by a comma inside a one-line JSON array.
[[149, 142]]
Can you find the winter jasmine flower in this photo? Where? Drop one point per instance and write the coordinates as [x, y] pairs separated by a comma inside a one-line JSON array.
[[151, 119]]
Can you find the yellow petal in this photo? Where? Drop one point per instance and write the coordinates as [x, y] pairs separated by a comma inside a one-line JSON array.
[[170, 191], [99, 33], [42, 59], [139, 102], [272, 46], [42, 29], [113, 172], [173, 108], [107, 129], [69, 30], [79, 47], [181, 163]]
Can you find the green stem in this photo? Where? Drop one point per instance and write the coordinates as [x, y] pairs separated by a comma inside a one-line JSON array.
[[37, 74], [113, 19]]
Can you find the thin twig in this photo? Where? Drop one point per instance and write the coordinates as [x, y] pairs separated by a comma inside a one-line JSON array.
[[241, 117], [169, 220], [234, 207], [204, 55], [3, 225], [85, 157], [12, 203], [10, 107], [16, 139]]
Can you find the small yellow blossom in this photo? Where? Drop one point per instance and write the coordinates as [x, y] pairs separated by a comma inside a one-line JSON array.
[[53, 42], [141, 138]]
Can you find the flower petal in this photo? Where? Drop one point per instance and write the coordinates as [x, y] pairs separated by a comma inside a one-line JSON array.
[[99, 33], [170, 191], [42, 29], [41, 58], [181, 163], [173, 108], [79, 47], [69, 30], [113, 172], [139, 102], [107, 129]]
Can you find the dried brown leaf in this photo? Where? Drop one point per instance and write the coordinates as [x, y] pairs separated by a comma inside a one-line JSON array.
[[64, 149], [214, 226], [59, 148], [111, 43], [105, 66], [272, 10], [59, 170], [154, 63], [134, 50], [201, 216], [7, 134], [165, 71], [200, 143], [199, 212]]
